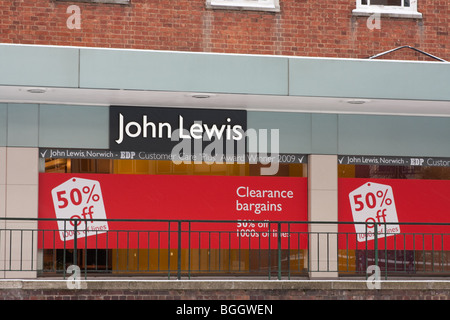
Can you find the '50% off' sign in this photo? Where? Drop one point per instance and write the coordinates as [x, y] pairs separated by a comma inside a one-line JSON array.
[[373, 204], [80, 201]]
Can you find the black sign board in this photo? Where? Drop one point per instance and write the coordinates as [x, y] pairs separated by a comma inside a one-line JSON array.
[[54, 153], [177, 130], [395, 161]]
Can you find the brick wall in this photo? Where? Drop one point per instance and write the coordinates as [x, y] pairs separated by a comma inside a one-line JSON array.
[[224, 290], [302, 28], [222, 295]]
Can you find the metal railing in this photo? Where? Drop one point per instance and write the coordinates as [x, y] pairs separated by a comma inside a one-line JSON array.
[[186, 249]]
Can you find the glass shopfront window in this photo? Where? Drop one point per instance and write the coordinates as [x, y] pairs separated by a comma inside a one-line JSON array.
[[217, 258], [410, 205], [393, 172]]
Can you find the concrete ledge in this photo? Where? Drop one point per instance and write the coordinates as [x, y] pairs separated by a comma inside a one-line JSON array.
[[221, 290], [225, 284]]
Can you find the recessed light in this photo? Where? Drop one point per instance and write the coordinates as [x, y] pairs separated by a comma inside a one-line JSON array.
[[37, 90], [357, 101], [201, 96]]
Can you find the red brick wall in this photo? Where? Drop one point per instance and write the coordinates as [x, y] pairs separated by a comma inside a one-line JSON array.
[[410, 289], [302, 28], [223, 295]]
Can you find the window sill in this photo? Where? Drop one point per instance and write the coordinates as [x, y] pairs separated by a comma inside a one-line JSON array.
[[391, 13], [271, 6], [99, 1]]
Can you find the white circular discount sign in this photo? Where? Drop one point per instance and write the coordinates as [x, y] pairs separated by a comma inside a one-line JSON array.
[[373, 203], [81, 201]]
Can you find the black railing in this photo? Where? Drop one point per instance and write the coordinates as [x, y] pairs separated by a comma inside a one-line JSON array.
[[185, 249]]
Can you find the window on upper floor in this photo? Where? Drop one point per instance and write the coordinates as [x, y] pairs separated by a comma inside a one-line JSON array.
[[259, 5], [392, 8], [99, 1]]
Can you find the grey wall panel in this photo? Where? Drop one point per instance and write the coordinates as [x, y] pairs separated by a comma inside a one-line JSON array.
[[67, 126], [38, 66], [324, 133], [394, 135], [73, 126], [175, 71], [383, 79], [294, 129], [348, 134], [3, 124], [23, 125], [57, 66]]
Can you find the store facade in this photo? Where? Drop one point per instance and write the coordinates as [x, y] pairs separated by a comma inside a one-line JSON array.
[[239, 142]]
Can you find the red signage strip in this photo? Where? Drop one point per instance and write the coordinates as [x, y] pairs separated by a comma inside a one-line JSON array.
[[253, 203], [415, 214]]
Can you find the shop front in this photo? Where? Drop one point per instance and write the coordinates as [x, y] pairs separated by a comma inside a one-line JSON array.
[[272, 168], [152, 198]]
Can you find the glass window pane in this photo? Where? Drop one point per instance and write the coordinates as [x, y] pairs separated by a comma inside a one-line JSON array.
[[394, 172], [386, 2]]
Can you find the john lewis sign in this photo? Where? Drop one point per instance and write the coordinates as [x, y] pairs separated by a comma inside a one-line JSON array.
[[160, 130]]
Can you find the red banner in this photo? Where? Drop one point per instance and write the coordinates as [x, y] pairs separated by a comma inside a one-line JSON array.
[[95, 202], [410, 214]]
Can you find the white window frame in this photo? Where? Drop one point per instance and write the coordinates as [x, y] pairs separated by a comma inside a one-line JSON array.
[[99, 1], [258, 5], [389, 11]]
